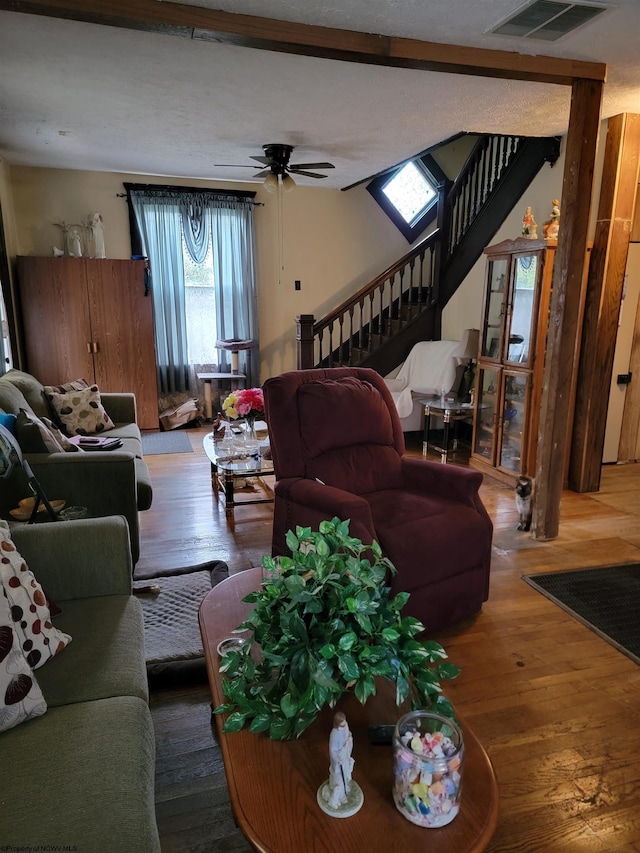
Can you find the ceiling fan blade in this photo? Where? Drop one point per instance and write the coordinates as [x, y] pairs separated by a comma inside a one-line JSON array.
[[267, 161], [263, 173], [306, 174], [312, 166], [233, 166]]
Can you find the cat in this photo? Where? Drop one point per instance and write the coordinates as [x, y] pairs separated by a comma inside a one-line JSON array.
[[524, 502]]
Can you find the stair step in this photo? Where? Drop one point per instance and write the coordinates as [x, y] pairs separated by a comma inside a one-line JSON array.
[[410, 312], [394, 325], [376, 339]]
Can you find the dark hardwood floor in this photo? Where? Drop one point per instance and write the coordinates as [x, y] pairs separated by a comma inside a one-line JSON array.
[[556, 707]]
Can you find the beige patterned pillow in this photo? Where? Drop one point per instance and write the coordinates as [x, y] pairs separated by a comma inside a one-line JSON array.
[[20, 694], [80, 411], [38, 638]]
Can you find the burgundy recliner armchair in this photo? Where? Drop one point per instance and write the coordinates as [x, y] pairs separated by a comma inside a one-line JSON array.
[[337, 447]]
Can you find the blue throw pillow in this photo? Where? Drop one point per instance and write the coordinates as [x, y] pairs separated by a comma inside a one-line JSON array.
[[9, 422]]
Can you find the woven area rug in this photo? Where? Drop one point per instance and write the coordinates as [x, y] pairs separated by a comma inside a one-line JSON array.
[[606, 600], [171, 630], [157, 443]]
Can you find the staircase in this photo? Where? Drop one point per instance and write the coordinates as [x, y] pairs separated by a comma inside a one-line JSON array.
[[378, 326]]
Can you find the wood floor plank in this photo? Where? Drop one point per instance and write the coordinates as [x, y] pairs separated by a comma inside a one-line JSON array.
[[556, 707]]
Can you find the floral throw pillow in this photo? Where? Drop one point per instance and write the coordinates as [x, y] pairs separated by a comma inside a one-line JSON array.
[[20, 694], [39, 639], [80, 411]]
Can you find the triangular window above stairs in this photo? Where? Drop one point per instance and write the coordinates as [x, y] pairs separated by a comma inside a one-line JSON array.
[[409, 195]]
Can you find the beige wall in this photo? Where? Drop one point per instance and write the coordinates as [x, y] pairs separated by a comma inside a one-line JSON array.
[[332, 241]]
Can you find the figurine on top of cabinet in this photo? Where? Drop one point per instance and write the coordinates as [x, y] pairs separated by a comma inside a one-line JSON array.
[[95, 231], [529, 225], [551, 226]]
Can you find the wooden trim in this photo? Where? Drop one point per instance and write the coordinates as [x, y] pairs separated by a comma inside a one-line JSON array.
[[603, 300], [195, 22], [582, 137]]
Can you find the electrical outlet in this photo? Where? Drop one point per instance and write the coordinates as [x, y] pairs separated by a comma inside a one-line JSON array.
[[297, 284]]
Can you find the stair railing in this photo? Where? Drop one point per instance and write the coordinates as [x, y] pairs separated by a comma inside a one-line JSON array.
[[408, 288], [377, 311], [470, 191]]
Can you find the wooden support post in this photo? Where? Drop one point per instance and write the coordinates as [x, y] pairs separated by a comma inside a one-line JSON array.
[[304, 341], [562, 336], [603, 300]]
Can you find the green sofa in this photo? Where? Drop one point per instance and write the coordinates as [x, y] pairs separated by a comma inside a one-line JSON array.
[[82, 774], [114, 482]]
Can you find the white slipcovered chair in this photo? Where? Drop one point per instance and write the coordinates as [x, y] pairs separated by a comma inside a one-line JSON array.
[[429, 367]]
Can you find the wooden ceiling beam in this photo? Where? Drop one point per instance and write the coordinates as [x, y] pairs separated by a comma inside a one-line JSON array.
[[196, 22]]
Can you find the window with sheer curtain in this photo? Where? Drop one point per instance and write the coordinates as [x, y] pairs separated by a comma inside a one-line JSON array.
[[200, 307], [200, 247]]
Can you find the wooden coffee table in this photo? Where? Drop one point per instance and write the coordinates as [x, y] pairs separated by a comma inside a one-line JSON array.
[[273, 784]]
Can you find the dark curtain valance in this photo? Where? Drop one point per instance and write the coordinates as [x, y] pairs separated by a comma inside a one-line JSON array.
[[192, 198]]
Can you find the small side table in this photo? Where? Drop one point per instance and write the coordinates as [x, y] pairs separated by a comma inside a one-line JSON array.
[[225, 471], [232, 378], [451, 412]]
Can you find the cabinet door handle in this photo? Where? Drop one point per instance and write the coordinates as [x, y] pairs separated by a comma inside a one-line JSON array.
[[89, 347], [96, 346]]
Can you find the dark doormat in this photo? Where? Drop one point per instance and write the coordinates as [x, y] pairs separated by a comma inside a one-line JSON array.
[[173, 645], [605, 599], [157, 443]]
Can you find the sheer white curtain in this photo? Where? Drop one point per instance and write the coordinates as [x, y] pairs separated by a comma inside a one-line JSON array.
[[166, 216]]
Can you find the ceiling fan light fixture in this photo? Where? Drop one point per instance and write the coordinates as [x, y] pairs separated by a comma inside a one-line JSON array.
[[288, 183], [271, 183]]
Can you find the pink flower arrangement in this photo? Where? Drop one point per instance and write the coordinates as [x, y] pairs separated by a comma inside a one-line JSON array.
[[245, 403]]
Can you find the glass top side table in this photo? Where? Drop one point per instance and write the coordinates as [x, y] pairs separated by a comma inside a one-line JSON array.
[[226, 470], [451, 412]]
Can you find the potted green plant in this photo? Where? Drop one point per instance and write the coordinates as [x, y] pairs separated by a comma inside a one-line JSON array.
[[325, 622]]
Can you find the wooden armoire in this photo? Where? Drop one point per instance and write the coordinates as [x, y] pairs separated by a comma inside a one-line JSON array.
[[92, 319]]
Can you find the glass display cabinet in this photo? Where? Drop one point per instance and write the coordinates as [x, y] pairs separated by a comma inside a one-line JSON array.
[[511, 357]]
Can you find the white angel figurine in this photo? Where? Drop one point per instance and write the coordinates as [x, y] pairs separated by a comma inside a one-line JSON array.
[[340, 795], [341, 762], [96, 235]]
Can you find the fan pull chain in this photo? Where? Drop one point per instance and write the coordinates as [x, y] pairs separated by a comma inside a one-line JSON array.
[[280, 232]]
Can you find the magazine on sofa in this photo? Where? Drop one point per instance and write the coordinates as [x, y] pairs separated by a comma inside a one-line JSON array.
[[95, 442]]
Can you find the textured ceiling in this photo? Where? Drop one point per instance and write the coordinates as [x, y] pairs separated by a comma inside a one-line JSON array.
[[83, 96]]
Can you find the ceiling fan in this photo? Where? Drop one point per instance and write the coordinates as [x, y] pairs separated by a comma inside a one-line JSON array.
[[276, 160]]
